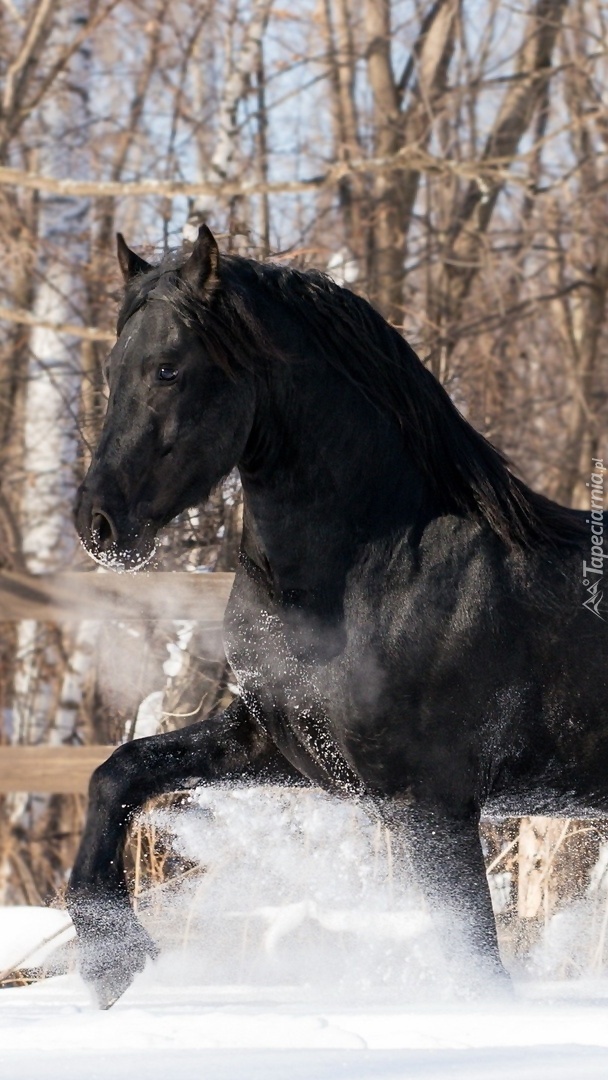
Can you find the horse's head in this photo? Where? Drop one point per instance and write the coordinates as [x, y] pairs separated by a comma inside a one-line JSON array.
[[177, 421]]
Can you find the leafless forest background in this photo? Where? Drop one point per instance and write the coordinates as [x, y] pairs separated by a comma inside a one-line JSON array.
[[447, 160]]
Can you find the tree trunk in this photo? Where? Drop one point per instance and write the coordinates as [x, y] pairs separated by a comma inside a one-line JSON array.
[[464, 256]]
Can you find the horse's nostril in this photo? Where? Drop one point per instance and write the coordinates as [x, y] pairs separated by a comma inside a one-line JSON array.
[[103, 532]]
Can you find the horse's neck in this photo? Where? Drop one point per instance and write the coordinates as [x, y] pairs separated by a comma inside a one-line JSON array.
[[334, 481]]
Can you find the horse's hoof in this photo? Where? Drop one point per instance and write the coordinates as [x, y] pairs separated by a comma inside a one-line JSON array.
[[109, 964], [109, 988]]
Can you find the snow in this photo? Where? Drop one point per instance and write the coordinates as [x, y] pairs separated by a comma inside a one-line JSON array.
[[51, 1031], [29, 935], [293, 957]]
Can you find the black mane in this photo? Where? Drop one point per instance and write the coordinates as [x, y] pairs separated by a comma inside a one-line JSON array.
[[465, 469]]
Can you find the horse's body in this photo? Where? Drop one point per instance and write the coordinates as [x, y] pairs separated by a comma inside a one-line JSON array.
[[406, 624]]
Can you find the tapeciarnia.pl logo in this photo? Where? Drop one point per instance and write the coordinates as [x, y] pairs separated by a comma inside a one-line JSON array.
[[593, 571]]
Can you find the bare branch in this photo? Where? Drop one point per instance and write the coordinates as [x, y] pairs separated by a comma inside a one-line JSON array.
[[37, 28], [408, 157]]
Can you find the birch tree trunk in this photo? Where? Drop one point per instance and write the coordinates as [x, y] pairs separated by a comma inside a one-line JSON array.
[[50, 671], [52, 403], [240, 68]]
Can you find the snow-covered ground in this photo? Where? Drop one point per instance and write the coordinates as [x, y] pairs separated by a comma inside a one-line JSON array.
[[159, 1030], [294, 957]]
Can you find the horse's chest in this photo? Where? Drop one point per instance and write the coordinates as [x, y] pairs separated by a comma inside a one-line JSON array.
[[301, 705], [297, 716]]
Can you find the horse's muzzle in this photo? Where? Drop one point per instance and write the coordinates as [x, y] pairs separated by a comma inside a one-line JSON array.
[[110, 538]]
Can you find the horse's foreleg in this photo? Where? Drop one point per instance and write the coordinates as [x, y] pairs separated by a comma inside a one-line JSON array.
[[444, 850], [114, 946]]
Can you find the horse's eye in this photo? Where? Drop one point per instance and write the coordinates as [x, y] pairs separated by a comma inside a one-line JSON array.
[[167, 373]]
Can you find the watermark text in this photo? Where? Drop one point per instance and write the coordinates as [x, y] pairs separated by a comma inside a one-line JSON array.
[[593, 571]]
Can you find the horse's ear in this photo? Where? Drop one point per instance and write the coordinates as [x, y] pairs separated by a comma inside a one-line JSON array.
[[202, 268], [130, 263]]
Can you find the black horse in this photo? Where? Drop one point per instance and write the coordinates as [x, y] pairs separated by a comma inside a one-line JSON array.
[[407, 623]]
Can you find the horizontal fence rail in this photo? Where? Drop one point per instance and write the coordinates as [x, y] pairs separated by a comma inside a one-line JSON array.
[[49, 770], [73, 595]]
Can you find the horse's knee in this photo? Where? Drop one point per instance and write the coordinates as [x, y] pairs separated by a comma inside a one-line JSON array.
[[117, 777]]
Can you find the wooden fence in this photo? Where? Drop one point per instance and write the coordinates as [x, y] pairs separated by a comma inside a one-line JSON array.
[[72, 596], [54, 770], [108, 596]]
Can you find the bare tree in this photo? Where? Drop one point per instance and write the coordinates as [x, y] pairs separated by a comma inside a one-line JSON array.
[[449, 162]]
